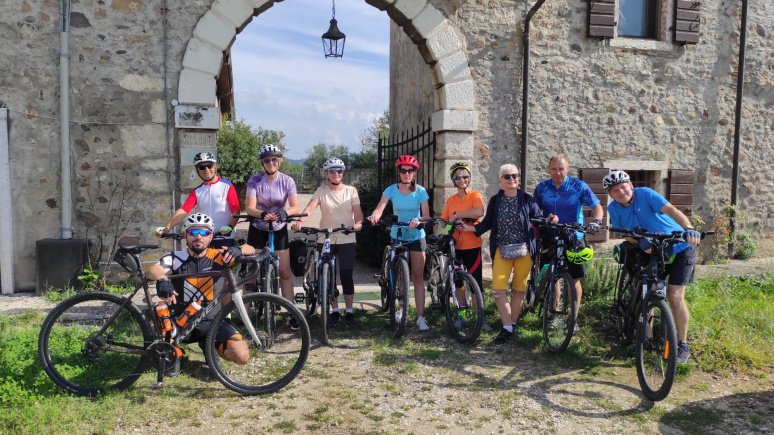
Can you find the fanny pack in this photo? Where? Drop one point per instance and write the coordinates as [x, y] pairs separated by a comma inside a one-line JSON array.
[[513, 251]]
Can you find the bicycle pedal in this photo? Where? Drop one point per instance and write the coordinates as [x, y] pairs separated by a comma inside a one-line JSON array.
[[299, 298]]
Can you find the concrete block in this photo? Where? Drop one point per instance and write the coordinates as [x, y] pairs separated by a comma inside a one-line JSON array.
[[260, 4], [380, 4], [428, 21], [141, 83], [443, 41], [196, 88], [459, 95], [453, 68], [410, 8], [455, 120], [142, 140], [202, 57], [234, 11], [455, 146], [215, 31], [191, 116]]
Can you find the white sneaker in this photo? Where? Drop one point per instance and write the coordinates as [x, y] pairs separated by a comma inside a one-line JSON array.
[[422, 324]]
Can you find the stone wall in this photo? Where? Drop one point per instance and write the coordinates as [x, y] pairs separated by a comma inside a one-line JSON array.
[[606, 101]]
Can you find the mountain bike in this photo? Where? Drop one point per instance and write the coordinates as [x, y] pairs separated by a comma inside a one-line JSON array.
[[268, 266], [550, 288], [97, 342], [322, 279], [394, 277], [641, 311], [449, 284]]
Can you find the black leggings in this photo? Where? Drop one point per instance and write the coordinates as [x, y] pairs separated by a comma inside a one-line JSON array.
[[471, 258], [345, 257]]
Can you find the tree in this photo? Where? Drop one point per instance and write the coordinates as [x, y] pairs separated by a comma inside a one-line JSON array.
[[238, 147], [322, 152], [381, 129]]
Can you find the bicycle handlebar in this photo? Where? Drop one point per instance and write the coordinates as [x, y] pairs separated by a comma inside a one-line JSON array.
[[289, 218], [641, 232], [311, 231], [543, 223]]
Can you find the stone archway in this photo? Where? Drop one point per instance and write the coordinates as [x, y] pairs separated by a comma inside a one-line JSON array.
[[439, 43]]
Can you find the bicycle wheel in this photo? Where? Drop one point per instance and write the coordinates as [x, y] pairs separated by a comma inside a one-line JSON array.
[[270, 285], [271, 363], [83, 343], [559, 314], [324, 284], [622, 308], [656, 350], [399, 300], [310, 282], [384, 279], [434, 283], [464, 308]]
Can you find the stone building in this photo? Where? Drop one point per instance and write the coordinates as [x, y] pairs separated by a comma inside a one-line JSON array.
[[149, 79]]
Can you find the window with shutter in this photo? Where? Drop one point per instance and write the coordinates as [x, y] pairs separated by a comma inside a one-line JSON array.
[[645, 21], [593, 177]]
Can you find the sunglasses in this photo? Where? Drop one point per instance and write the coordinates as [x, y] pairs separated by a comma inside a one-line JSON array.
[[194, 232], [461, 177], [406, 171], [266, 161], [513, 177], [204, 166], [336, 171]]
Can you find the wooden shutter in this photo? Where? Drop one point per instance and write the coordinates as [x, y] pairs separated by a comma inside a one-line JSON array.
[[687, 20], [593, 177], [680, 190], [602, 20]]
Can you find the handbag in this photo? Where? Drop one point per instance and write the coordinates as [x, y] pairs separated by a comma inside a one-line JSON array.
[[513, 251]]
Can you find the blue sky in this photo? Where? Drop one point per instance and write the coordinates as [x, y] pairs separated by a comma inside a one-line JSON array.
[[282, 81]]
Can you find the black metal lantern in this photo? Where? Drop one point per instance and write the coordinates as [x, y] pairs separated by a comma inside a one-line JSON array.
[[333, 40]]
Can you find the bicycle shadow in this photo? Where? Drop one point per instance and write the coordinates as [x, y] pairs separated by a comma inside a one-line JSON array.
[[736, 413]]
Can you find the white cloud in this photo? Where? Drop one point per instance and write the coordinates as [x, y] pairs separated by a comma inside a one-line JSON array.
[[282, 81]]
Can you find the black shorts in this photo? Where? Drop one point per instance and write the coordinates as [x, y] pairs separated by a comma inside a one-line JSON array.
[[576, 271], [345, 255], [258, 239], [471, 258], [415, 246], [199, 334], [218, 242], [681, 270]]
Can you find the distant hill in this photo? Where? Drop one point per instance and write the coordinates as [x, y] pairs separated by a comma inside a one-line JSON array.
[[295, 161]]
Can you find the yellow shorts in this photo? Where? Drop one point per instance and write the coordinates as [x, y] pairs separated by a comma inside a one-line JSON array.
[[502, 268]]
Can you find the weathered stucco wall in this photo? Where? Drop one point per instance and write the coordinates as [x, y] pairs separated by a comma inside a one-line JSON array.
[[598, 101], [118, 116], [411, 83]]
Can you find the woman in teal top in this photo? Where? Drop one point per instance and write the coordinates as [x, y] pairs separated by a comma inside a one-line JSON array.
[[409, 202]]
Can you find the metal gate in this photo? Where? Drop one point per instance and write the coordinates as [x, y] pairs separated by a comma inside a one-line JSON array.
[[418, 141]]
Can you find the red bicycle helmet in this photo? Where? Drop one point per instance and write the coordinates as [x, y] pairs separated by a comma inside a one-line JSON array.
[[407, 160]]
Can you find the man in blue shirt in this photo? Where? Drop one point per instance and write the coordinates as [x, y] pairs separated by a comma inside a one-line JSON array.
[[644, 207], [562, 198]]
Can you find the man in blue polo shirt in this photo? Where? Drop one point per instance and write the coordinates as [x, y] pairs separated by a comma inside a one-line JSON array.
[[562, 198], [644, 207]]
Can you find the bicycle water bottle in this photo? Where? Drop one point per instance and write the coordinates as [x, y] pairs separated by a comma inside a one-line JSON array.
[[167, 327], [188, 314], [542, 273]]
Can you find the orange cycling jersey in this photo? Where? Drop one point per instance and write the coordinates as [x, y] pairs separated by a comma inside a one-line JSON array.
[[472, 199], [193, 288]]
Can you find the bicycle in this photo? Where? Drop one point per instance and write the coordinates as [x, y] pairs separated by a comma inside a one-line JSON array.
[[97, 342], [463, 307], [641, 311], [550, 288], [268, 267], [394, 278], [320, 276]]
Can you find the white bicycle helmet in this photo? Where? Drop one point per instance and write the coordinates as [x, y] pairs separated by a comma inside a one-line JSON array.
[[613, 178], [269, 150], [204, 158], [333, 162], [198, 220]]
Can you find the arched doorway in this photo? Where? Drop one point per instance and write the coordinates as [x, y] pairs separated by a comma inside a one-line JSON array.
[[197, 116]]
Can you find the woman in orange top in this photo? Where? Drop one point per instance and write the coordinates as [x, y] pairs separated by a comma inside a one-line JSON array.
[[466, 205]]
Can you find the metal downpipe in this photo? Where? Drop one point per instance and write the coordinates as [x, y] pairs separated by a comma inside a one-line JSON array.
[[525, 94], [64, 121], [6, 211], [737, 127]]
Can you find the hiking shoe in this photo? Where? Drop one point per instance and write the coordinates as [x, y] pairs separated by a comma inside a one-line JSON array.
[[485, 326], [459, 323], [557, 322], [683, 353], [173, 370], [422, 324], [293, 324], [503, 336], [349, 320], [334, 319], [576, 328]]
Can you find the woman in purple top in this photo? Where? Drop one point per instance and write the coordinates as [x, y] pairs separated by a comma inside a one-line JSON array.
[[267, 194]]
